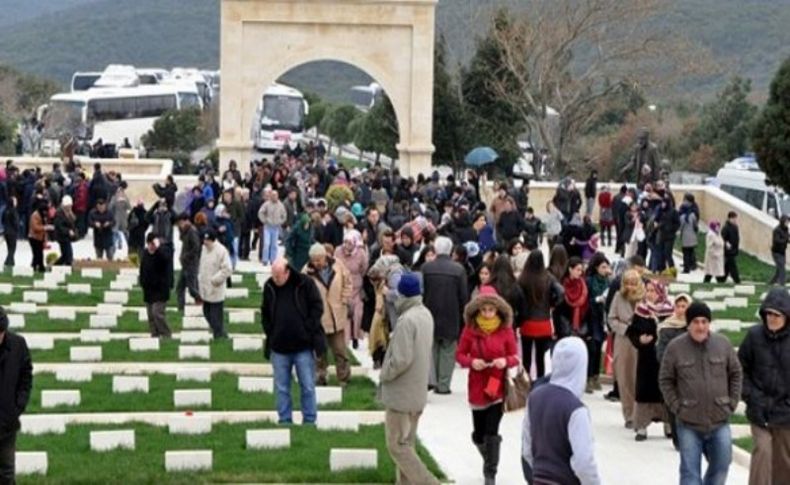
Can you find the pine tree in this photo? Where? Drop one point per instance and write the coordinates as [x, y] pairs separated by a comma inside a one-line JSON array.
[[491, 122], [448, 114], [726, 122], [770, 138]]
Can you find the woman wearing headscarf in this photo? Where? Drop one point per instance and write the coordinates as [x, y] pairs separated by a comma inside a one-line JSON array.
[[621, 313], [674, 326], [487, 347], [643, 332], [300, 238], [714, 253], [598, 273], [354, 255], [571, 314]]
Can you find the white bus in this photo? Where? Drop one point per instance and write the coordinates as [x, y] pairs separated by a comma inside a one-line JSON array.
[[83, 81], [365, 97], [743, 179], [279, 118], [111, 115]]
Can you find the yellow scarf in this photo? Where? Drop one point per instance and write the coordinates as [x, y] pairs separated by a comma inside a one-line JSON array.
[[488, 325]]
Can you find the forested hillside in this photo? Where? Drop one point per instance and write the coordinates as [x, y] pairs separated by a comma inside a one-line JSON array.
[[748, 37]]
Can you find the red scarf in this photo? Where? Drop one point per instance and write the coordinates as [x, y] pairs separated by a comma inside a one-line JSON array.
[[576, 297]]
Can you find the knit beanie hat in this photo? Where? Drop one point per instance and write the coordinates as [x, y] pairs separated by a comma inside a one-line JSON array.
[[409, 285], [697, 309]]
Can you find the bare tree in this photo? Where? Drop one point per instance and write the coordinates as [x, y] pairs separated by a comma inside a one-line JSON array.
[[571, 55]]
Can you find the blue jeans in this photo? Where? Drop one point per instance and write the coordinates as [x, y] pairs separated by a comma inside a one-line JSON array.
[[271, 234], [717, 448], [305, 374], [234, 256]]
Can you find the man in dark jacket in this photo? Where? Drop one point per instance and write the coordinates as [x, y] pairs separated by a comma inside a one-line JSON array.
[[167, 191], [765, 357], [445, 294], [700, 379], [190, 261], [590, 191], [291, 317], [778, 250], [667, 225], [16, 381], [732, 243], [510, 224], [138, 225], [155, 281], [533, 230], [102, 222]]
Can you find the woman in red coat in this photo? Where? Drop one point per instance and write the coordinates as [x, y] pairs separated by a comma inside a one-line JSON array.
[[487, 348], [605, 202]]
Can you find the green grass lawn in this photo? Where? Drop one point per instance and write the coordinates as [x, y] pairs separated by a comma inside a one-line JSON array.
[[97, 395], [750, 268], [128, 322], [745, 443], [307, 461]]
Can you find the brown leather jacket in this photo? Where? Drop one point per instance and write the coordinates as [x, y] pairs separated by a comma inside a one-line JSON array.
[[701, 382], [37, 230]]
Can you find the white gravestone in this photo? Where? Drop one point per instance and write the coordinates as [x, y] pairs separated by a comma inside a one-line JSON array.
[[74, 374], [85, 354], [126, 384], [192, 460], [103, 321], [191, 397], [78, 289], [35, 425], [112, 440], [338, 420], [193, 374], [202, 352], [51, 399], [247, 344], [189, 425], [65, 314], [92, 336], [31, 463], [350, 458], [256, 384], [263, 439], [121, 297], [144, 344]]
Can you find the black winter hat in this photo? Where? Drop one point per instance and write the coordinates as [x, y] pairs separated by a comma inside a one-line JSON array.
[[697, 309]]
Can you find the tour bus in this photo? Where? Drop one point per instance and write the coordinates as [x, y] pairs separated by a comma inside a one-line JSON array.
[[194, 76], [365, 97], [82, 81], [279, 118], [743, 179], [107, 114], [118, 76]]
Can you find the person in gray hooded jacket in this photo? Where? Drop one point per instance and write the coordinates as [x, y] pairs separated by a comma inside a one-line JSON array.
[[553, 456]]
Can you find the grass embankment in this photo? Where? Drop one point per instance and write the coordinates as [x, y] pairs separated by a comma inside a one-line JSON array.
[[307, 461], [97, 395], [746, 443], [751, 269], [128, 322]]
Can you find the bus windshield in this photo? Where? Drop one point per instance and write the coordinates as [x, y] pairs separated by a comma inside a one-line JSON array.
[[189, 100], [283, 113], [83, 82], [65, 117]]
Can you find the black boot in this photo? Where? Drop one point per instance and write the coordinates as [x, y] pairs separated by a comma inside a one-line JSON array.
[[480, 445], [491, 459]]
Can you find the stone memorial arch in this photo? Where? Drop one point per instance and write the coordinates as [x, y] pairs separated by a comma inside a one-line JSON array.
[[391, 40]]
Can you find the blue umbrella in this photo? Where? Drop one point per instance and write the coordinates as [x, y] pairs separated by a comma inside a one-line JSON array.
[[481, 156]]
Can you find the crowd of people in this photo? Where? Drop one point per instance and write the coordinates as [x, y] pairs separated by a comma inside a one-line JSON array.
[[431, 273]]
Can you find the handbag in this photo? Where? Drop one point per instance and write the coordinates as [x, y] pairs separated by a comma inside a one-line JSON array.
[[517, 387]]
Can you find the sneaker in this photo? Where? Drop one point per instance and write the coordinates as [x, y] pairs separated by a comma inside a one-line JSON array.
[[611, 396], [442, 392], [641, 435]]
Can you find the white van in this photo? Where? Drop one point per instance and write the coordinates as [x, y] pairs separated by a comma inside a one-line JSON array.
[[743, 179]]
